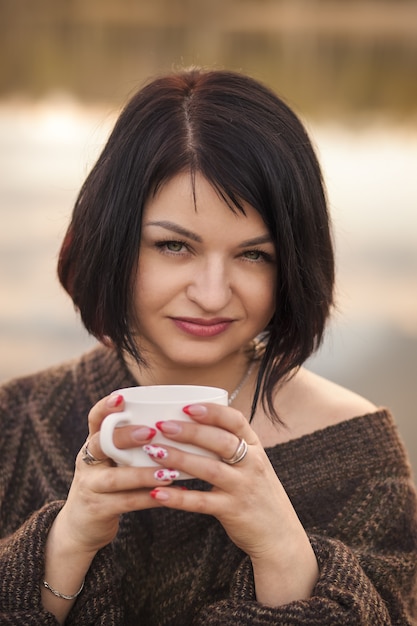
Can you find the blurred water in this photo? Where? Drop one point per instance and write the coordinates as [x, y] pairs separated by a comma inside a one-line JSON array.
[[328, 57], [45, 152]]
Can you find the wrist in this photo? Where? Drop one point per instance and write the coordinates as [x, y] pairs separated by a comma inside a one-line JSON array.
[[286, 575], [66, 564], [63, 546], [73, 535]]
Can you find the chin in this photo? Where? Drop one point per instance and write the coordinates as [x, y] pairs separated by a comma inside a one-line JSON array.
[[197, 359]]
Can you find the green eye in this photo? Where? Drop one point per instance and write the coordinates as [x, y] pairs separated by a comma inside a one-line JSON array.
[[253, 255], [174, 246]]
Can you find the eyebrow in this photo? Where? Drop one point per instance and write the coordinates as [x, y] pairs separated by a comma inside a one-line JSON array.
[[176, 228], [256, 241], [184, 232]]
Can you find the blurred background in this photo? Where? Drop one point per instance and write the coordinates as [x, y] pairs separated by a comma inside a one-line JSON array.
[[349, 69]]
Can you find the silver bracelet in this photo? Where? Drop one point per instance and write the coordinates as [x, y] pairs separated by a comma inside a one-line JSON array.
[[64, 596]]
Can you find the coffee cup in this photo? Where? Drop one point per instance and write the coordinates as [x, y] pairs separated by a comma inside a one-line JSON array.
[[144, 406]]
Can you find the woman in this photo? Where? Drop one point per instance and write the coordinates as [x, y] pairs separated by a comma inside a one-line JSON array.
[[199, 252]]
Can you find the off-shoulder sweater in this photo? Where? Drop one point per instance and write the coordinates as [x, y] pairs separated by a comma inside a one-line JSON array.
[[349, 483]]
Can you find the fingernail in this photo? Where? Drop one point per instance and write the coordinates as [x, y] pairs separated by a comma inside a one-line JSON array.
[[114, 400], [157, 494], [144, 432], [166, 474], [155, 451], [195, 409], [170, 428]]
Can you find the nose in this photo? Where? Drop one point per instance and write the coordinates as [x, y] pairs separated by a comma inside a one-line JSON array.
[[210, 287]]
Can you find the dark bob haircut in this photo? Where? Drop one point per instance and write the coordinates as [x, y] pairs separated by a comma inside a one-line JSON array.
[[250, 146]]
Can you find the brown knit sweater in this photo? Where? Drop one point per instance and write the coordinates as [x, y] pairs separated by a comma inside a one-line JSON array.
[[350, 484]]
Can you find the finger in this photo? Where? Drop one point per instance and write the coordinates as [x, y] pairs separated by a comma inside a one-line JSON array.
[[88, 457], [112, 479], [208, 468], [109, 404], [207, 503], [115, 490], [215, 427], [224, 417], [99, 502], [135, 500], [132, 436], [222, 442], [126, 437]]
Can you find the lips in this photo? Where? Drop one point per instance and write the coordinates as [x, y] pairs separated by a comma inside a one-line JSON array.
[[199, 327]]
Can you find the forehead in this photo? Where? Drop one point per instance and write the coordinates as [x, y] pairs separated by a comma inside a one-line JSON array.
[[195, 201]]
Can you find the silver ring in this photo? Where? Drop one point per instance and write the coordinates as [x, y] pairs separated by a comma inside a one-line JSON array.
[[240, 453], [89, 458]]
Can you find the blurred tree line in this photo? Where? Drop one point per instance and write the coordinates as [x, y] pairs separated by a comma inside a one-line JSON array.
[[324, 56]]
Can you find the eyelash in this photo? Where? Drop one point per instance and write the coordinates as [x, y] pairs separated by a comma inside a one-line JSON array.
[[264, 256], [163, 248]]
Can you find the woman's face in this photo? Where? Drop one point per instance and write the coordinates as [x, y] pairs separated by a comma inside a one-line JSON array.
[[205, 284]]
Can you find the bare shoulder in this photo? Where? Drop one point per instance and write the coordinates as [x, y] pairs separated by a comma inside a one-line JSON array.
[[335, 402], [309, 402]]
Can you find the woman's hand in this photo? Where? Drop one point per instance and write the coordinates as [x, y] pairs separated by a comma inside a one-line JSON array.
[[99, 494], [247, 498]]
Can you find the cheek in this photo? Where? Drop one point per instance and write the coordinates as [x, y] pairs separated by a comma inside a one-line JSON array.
[[267, 288], [143, 292], [261, 297], [268, 309], [270, 301], [153, 287]]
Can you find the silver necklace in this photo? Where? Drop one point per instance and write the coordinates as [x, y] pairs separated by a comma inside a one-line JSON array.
[[246, 375]]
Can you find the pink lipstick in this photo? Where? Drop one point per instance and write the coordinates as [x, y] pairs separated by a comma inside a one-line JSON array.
[[199, 327]]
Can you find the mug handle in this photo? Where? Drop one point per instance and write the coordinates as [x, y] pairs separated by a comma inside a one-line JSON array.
[[112, 421]]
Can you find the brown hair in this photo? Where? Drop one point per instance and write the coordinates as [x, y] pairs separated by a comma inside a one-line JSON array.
[[251, 146]]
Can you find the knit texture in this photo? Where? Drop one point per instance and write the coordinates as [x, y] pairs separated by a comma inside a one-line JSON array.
[[350, 485]]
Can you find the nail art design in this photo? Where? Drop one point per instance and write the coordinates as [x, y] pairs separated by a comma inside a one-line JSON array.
[[166, 474], [155, 451]]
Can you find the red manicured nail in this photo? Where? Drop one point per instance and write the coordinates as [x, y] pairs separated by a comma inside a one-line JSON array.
[[170, 428], [143, 432], [114, 400], [157, 494], [195, 409]]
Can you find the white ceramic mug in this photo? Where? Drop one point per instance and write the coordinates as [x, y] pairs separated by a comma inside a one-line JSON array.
[[144, 406]]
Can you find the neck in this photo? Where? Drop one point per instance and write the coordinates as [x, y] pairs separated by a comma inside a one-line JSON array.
[[227, 374]]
